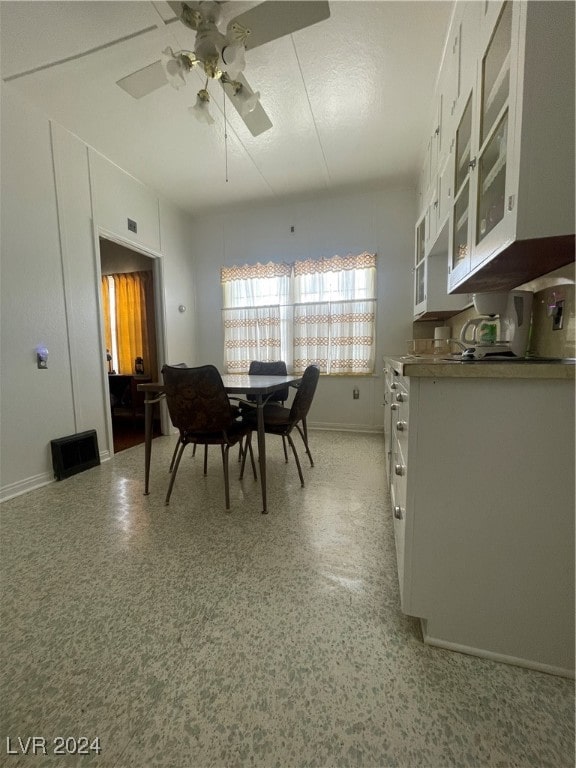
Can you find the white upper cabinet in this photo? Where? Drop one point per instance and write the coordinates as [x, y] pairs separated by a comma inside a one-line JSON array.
[[512, 212], [431, 298]]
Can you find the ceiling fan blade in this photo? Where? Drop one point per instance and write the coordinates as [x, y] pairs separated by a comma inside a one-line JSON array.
[[276, 18], [256, 121], [81, 55], [144, 81]]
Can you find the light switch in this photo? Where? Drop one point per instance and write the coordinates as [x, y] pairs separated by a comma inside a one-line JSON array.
[[42, 357]]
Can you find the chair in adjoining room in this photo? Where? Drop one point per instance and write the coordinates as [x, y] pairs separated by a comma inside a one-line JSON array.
[[281, 421], [200, 410]]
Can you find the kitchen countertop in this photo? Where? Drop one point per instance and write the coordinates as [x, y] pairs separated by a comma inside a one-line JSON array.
[[439, 367]]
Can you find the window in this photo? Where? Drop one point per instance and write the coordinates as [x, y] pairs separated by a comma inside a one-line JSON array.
[[319, 311]]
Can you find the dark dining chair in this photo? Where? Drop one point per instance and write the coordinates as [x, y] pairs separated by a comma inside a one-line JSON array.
[[200, 410], [266, 368], [236, 411], [274, 368], [279, 420]]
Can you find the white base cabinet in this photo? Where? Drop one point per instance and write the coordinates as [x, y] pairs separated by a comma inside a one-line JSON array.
[[482, 488]]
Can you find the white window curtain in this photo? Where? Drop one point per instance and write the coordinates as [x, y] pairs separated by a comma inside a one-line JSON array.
[[335, 314], [256, 314], [319, 311]]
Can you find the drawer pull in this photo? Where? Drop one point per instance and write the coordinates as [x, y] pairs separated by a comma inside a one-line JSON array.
[[400, 426], [400, 397], [393, 385], [398, 469], [398, 513], [394, 407]]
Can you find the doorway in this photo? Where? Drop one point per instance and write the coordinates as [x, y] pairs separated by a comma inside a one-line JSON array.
[[130, 310]]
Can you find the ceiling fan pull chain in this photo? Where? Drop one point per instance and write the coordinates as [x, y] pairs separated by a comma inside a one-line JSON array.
[[225, 141]]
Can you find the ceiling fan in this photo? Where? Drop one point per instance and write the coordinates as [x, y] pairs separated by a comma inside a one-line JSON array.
[[219, 52]]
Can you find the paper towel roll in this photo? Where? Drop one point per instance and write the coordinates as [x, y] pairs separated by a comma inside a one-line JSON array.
[[442, 332]]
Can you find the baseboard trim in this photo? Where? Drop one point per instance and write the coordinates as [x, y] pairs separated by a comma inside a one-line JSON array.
[[502, 658], [26, 485], [36, 481], [329, 427]]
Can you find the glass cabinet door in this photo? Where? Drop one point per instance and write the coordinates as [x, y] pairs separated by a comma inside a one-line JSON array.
[[496, 73], [420, 261], [460, 241], [494, 126], [460, 237], [463, 143], [420, 239], [492, 181], [419, 283]]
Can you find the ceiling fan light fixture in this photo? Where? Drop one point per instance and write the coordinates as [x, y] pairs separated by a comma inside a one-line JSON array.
[[176, 66], [247, 101], [201, 110]]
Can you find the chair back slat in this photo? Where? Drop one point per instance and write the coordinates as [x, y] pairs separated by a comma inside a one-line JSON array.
[[196, 399], [274, 368]]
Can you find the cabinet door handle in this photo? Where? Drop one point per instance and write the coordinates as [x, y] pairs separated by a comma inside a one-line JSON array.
[[400, 426], [393, 385], [398, 469], [398, 512], [399, 397], [472, 164], [393, 407]]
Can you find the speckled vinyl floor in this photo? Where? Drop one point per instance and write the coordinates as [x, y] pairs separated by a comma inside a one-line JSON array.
[[188, 636]]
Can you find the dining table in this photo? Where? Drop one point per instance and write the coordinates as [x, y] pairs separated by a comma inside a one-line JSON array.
[[261, 387]]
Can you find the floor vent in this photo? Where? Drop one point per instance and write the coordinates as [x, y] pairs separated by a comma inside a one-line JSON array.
[[74, 453]]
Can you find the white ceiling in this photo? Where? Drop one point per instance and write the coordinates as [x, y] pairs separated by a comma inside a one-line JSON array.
[[349, 98]]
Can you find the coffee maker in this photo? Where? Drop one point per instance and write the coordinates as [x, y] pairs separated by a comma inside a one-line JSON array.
[[513, 310]]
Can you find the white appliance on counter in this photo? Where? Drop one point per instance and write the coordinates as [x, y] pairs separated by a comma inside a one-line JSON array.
[[513, 310]]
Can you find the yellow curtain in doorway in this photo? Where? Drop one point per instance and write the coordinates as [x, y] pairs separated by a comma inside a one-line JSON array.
[[131, 319]]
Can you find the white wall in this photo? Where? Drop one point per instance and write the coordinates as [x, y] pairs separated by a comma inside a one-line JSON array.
[[56, 194], [380, 221], [182, 328], [35, 405]]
